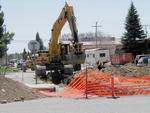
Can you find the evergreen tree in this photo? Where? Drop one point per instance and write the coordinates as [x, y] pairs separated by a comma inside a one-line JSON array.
[[2, 45], [40, 41], [134, 34], [5, 37], [24, 55]]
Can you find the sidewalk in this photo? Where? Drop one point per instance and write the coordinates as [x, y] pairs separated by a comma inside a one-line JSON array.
[[27, 77]]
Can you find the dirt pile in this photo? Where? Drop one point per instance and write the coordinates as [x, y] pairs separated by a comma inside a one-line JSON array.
[[124, 70], [11, 91], [128, 70]]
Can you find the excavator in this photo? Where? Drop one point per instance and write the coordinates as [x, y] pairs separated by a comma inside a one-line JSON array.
[[38, 58], [63, 58]]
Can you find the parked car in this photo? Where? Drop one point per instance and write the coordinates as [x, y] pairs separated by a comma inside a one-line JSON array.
[[19, 64], [144, 61], [137, 58]]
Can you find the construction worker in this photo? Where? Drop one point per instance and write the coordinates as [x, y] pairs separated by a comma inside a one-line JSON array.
[[100, 65]]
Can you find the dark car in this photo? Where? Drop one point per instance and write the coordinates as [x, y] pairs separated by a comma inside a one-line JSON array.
[[137, 58], [143, 61]]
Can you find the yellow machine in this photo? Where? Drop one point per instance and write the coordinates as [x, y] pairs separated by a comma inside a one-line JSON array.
[[29, 62], [41, 57], [63, 59]]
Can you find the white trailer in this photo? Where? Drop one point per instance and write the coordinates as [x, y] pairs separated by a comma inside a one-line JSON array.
[[95, 55]]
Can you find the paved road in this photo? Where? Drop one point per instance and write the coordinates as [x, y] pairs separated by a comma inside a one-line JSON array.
[[127, 104], [24, 77]]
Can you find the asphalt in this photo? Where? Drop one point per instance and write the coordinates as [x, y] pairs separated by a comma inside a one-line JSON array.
[[27, 77], [126, 104]]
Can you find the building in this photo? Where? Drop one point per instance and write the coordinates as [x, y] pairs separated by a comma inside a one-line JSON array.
[[110, 45]]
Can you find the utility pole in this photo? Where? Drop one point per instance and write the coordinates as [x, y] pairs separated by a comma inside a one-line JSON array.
[[4, 26], [96, 27], [146, 32]]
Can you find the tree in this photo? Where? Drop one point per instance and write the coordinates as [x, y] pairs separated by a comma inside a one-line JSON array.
[[5, 37], [24, 55], [17, 56], [134, 33], [40, 41]]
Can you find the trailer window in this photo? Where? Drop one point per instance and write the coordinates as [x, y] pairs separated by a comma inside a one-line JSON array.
[[87, 55], [93, 55], [102, 54]]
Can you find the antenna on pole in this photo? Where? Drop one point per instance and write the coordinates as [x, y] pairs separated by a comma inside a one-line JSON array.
[[69, 2], [96, 27], [145, 27]]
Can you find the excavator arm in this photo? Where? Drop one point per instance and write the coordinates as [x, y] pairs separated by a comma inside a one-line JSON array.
[[63, 59], [67, 14]]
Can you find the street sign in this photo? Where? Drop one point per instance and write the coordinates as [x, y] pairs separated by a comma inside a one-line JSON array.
[[33, 45]]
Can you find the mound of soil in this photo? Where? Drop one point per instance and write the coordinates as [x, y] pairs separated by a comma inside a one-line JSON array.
[[11, 91], [127, 70]]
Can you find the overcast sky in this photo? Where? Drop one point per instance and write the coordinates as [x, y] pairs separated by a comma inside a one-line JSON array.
[[27, 17]]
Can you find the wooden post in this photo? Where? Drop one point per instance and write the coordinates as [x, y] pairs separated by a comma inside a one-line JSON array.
[[113, 88]]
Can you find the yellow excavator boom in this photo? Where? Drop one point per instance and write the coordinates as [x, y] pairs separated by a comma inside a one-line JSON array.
[[67, 14]]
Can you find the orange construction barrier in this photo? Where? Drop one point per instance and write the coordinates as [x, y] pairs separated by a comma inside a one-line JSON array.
[[89, 83]]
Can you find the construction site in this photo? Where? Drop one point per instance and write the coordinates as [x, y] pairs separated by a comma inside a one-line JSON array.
[[95, 75]]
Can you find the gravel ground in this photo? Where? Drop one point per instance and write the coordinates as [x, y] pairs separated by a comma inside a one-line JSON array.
[[128, 70], [126, 104], [12, 87], [11, 91]]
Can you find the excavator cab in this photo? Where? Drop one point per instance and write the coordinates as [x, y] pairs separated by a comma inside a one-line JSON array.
[[64, 49], [78, 48]]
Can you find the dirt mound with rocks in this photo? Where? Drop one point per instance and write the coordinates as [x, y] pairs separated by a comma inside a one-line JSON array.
[[11, 91], [127, 70]]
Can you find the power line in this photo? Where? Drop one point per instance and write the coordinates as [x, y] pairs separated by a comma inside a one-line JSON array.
[[27, 40]]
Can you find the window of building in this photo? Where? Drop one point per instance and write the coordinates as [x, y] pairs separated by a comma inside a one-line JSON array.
[[102, 54], [87, 55], [93, 55]]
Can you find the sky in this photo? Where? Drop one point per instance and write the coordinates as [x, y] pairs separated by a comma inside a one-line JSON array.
[[27, 17]]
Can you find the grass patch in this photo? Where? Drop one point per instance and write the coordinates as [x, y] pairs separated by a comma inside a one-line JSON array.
[[7, 69]]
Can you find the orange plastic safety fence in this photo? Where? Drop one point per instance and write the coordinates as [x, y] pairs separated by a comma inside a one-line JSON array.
[[93, 83]]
